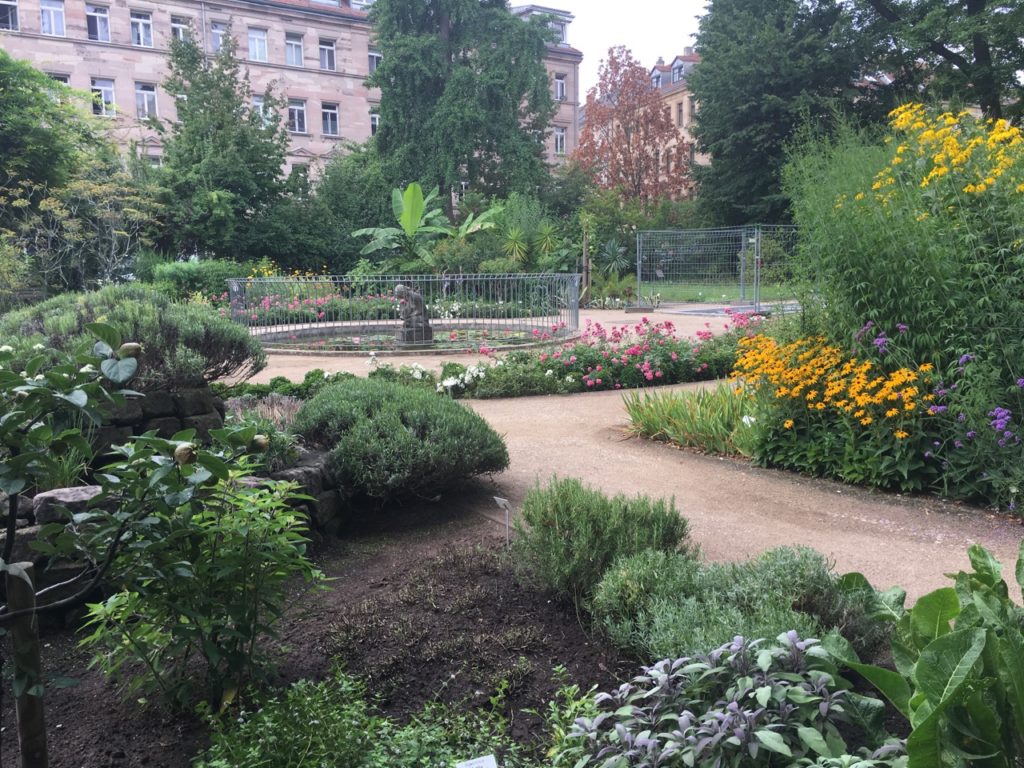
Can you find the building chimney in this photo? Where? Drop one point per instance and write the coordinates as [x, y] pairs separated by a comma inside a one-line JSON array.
[[661, 62], [688, 50]]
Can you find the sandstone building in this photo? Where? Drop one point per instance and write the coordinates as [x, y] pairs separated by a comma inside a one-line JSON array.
[[316, 54]]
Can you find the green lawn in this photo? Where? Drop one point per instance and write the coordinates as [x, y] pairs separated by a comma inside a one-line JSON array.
[[714, 293]]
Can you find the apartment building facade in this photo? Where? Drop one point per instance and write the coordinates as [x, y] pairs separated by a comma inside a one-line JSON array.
[[314, 54], [669, 80]]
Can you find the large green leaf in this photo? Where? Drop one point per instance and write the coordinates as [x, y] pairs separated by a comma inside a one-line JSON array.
[[932, 613], [412, 209], [1010, 670], [891, 684], [946, 663], [1020, 565], [987, 569]]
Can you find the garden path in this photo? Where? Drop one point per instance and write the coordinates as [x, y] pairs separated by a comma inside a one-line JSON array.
[[735, 510]]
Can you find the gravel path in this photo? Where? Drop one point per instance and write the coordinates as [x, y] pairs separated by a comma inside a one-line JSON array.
[[735, 510]]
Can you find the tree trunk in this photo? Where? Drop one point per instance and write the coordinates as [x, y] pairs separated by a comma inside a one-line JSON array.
[[27, 666]]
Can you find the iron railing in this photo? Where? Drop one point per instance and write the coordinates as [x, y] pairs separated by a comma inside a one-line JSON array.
[[749, 264], [362, 313]]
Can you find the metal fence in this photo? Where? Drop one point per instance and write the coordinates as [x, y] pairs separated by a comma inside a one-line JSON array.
[[749, 264], [362, 312]]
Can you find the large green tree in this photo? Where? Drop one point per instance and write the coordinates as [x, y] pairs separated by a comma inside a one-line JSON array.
[[464, 94], [766, 67], [223, 158], [970, 50]]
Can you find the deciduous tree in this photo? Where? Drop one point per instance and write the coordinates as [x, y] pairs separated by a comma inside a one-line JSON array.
[[464, 94], [629, 141], [766, 67]]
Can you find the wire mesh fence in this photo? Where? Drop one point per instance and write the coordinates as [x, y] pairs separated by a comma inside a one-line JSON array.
[[363, 313], [751, 264]]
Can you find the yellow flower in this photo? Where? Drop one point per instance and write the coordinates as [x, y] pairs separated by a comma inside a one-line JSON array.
[[892, 412], [787, 424], [866, 420], [899, 434]]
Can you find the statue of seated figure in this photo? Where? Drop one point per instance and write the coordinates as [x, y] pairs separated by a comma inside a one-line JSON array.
[[415, 325]]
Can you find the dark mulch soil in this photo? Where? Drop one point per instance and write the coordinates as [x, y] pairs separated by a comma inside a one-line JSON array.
[[424, 604]]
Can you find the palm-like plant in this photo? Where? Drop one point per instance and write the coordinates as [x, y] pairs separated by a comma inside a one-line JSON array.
[[419, 222], [516, 247]]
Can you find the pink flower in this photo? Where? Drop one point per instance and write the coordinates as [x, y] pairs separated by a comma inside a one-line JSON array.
[[674, 356], [572, 359], [658, 374], [590, 383]]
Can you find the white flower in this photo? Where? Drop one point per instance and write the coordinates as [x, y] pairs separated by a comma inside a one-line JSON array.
[[748, 420], [87, 369], [549, 372], [417, 374], [570, 379], [6, 348], [38, 347], [372, 360], [450, 382]]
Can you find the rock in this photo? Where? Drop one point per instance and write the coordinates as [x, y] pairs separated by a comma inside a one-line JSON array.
[[107, 436], [165, 426], [47, 506], [157, 404], [195, 402], [203, 424], [310, 478], [327, 512], [127, 413], [22, 551]]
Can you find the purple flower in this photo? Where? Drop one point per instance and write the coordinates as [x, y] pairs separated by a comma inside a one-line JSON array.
[[880, 342], [934, 409], [928, 454], [1020, 383], [902, 327], [958, 444], [965, 359], [971, 435], [961, 417], [867, 327], [1000, 418]]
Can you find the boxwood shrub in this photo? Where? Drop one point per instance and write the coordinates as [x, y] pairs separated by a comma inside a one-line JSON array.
[[387, 441], [183, 345]]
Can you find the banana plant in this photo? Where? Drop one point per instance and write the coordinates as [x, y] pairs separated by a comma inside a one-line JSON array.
[[419, 221], [959, 659]]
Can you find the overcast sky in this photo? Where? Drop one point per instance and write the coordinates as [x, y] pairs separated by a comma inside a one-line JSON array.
[[649, 28]]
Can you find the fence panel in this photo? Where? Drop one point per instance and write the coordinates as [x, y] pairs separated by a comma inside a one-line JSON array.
[[362, 312], [715, 266]]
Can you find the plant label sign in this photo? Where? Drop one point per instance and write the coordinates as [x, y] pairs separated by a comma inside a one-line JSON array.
[[487, 761]]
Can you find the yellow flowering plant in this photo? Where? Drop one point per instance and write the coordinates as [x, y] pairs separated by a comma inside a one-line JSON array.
[[826, 412]]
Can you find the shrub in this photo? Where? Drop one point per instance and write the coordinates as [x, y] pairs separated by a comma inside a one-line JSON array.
[[388, 441], [659, 604], [312, 382], [183, 279], [570, 535], [746, 703], [413, 375], [271, 418], [203, 569], [330, 723], [182, 345]]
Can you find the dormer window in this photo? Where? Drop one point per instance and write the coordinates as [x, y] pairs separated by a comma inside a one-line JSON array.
[[677, 73], [656, 80], [559, 28]]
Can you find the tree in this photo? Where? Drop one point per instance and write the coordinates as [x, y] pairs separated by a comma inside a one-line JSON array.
[[224, 158], [629, 141], [766, 67], [464, 94], [972, 49]]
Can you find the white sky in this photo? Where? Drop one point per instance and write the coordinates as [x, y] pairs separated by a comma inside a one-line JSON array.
[[649, 28]]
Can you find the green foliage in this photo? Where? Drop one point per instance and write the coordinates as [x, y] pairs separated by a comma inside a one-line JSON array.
[[203, 571], [223, 158], [518, 374], [746, 703], [43, 134], [182, 345], [419, 222], [748, 111], [413, 375], [658, 604], [183, 279], [718, 420], [959, 675], [270, 418], [569, 535], [464, 94], [388, 441], [331, 723], [312, 382]]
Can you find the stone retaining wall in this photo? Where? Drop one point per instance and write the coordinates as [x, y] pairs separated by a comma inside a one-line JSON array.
[[166, 412]]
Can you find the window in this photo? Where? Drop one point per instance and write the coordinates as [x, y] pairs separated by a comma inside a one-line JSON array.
[[9, 15], [155, 161], [97, 23], [693, 110], [375, 60], [329, 112], [293, 49], [296, 116], [180, 28], [679, 115], [559, 29], [51, 17], [59, 78], [327, 54], [559, 141], [656, 81], [217, 31], [257, 45], [559, 87], [145, 100], [102, 97], [677, 73], [142, 29], [257, 106], [374, 123]]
